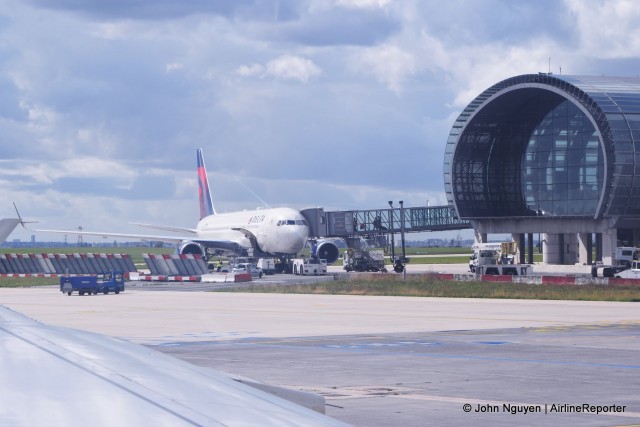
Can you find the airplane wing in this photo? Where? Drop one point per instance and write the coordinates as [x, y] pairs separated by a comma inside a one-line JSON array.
[[167, 228], [145, 237], [228, 245], [58, 376]]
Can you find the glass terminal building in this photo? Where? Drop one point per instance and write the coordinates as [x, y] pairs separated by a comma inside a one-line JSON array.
[[553, 155]]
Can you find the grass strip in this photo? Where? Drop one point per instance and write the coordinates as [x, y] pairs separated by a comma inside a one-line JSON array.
[[428, 287], [27, 282]]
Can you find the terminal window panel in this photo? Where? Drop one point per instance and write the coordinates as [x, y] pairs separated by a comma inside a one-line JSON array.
[[563, 164]]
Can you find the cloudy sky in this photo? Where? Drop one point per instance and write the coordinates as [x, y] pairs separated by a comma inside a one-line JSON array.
[[343, 104]]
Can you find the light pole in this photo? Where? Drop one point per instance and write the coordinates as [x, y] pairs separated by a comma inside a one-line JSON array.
[[402, 229], [393, 243]]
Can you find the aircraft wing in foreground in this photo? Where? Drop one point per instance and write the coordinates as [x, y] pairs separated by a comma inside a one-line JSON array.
[[53, 376]]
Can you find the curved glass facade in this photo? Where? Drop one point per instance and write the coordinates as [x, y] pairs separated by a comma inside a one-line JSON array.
[[543, 145], [563, 164]]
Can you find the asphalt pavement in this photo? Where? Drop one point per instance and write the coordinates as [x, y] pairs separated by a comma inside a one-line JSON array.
[[386, 361]]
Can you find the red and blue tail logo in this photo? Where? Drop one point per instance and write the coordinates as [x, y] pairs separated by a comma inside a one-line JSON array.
[[204, 195]]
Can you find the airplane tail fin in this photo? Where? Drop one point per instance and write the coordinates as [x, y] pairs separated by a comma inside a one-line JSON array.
[[204, 195]]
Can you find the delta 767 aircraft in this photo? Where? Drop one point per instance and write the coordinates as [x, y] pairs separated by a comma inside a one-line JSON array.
[[274, 232]]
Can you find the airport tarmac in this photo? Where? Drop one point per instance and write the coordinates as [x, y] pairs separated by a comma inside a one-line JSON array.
[[387, 361]]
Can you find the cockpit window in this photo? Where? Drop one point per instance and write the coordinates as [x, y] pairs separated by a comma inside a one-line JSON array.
[[292, 222]]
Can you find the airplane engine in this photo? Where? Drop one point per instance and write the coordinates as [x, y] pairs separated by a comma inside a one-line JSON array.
[[328, 250], [194, 248]]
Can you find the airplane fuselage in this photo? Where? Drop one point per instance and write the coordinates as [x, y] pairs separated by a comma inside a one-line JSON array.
[[276, 231]]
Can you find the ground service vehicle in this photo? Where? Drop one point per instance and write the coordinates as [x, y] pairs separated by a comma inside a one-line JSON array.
[[309, 266], [247, 268], [112, 281], [372, 260], [505, 269], [482, 257], [624, 258], [626, 255], [631, 273], [268, 265], [492, 254]]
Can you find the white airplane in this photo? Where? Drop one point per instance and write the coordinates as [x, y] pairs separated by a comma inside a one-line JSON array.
[[53, 376], [273, 232]]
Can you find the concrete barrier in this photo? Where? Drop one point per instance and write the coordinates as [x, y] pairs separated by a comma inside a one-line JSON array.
[[496, 278]]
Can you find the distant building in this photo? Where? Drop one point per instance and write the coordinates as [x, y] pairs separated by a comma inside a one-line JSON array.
[[551, 154]]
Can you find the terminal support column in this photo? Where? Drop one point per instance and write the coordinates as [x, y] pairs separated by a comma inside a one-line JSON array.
[[525, 247], [571, 248], [519, 239], [550, 249], [585, 248], [609, 243], [599, 247], [559, 248]]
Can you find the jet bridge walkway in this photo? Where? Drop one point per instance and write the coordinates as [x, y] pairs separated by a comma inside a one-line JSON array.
[[378, 223], [375, 226]]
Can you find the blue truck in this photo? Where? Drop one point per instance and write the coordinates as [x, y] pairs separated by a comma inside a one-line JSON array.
[[112, 281]]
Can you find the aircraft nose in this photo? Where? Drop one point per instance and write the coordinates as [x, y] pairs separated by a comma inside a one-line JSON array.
[[296, 239]]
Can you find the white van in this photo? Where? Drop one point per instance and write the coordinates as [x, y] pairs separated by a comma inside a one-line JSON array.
[[268, 265]]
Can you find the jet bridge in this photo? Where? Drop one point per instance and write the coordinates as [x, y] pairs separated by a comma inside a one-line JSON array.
[[381, 222], [375, 226]]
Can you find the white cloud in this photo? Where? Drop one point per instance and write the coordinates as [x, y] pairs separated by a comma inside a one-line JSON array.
[[285, 67], [388, 64], [81, 167], [290, 67], [495, 63], [251, 70], [41, 118], [89, 167], [607, 29], [173, 66], [364, 4], [112, 30]]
